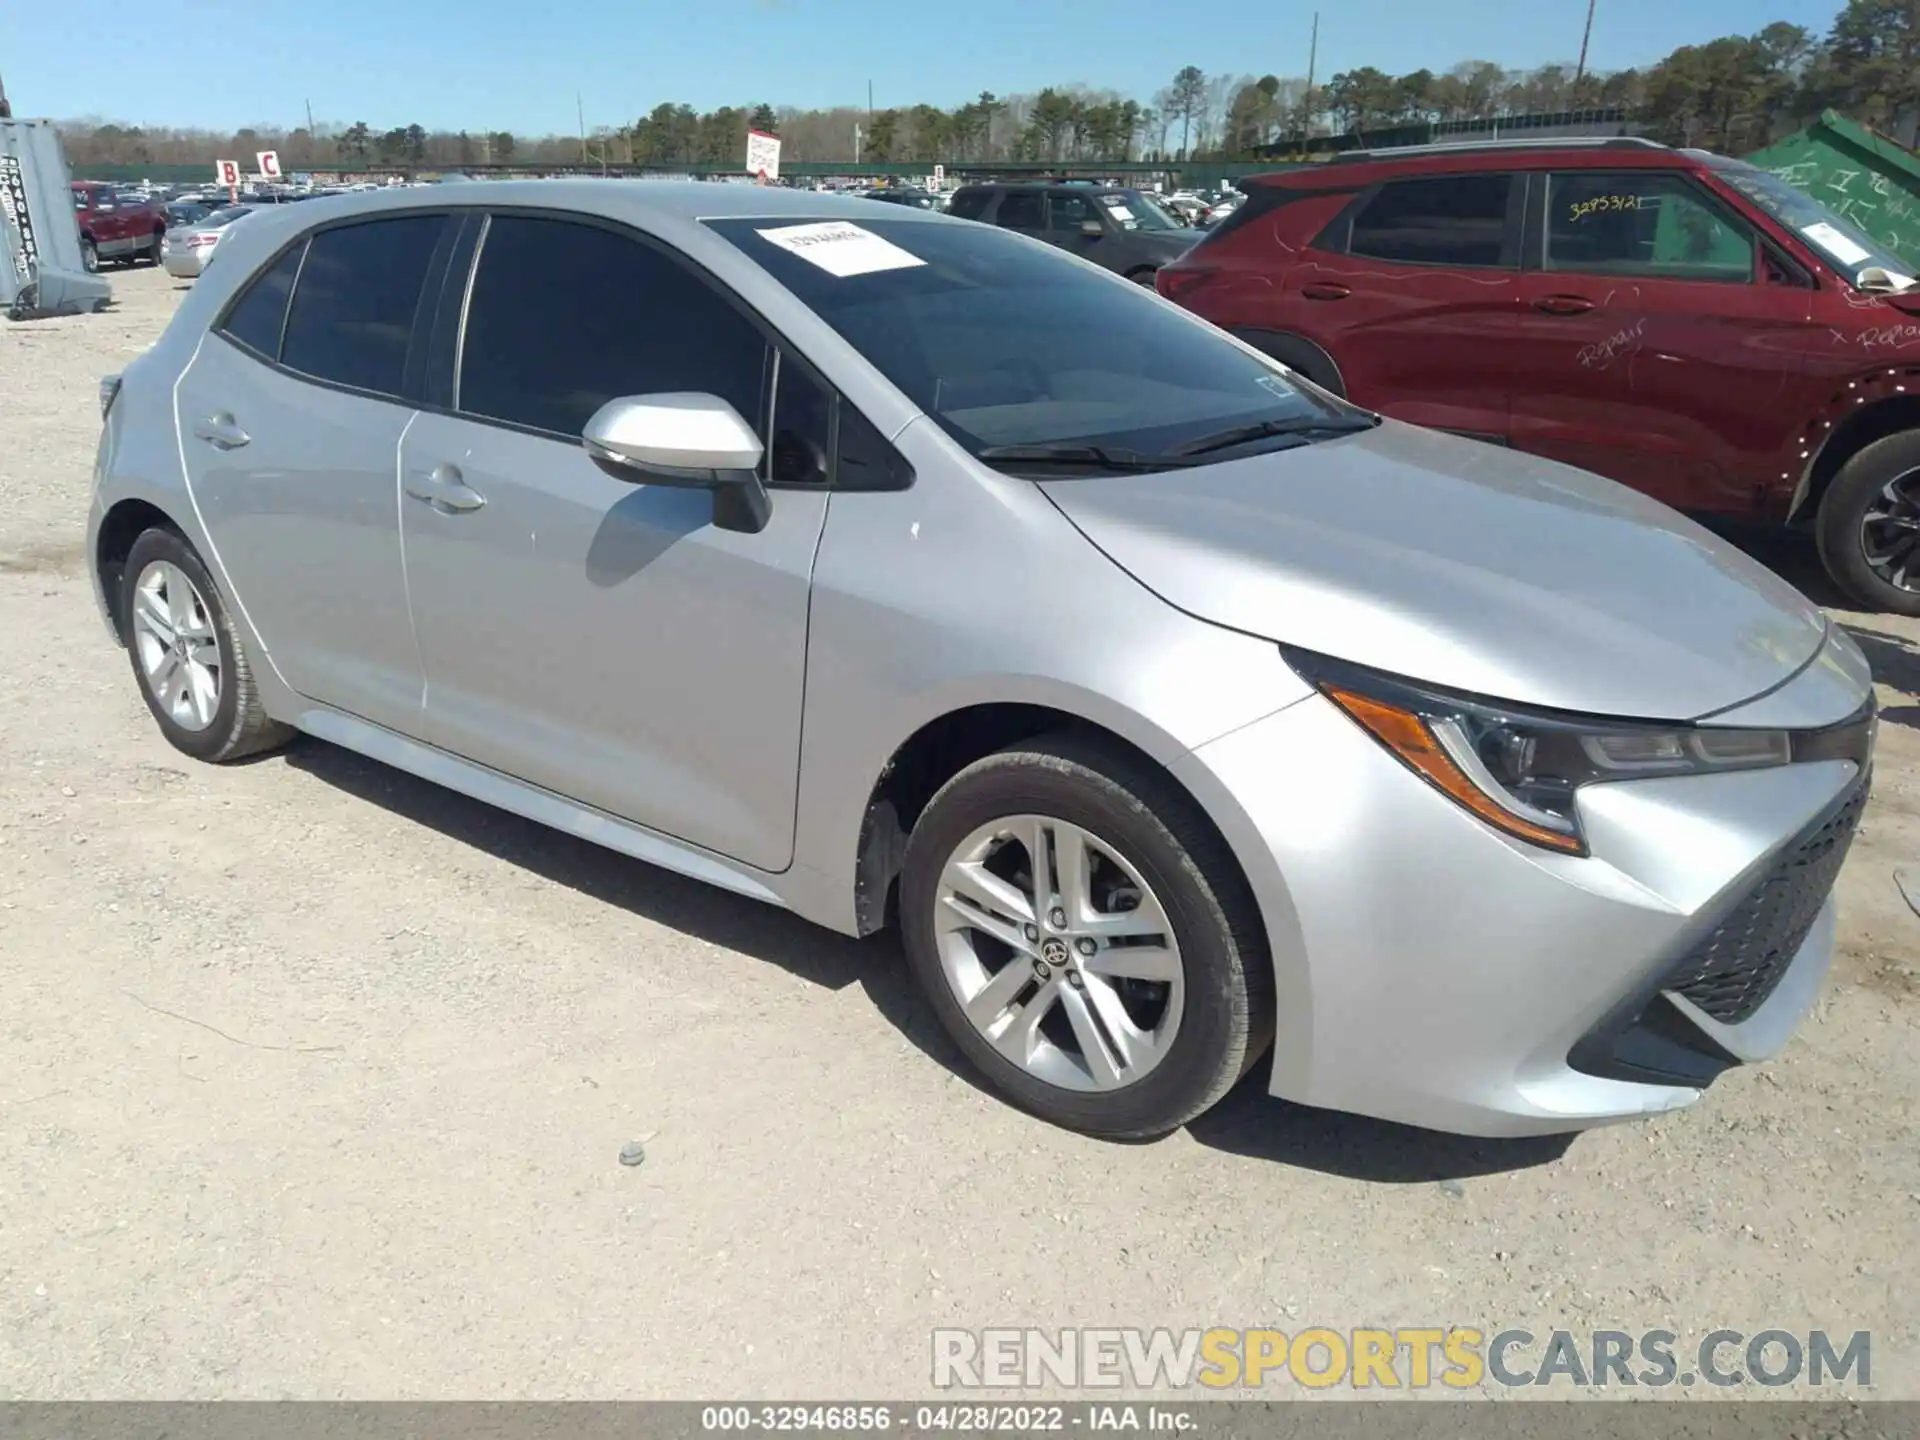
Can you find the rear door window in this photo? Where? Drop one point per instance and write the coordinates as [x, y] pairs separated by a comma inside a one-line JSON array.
[[1021, 210], [352, 316], [1655, 225], [1453, 220]]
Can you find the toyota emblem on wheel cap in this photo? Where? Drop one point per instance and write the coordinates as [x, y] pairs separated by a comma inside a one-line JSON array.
[[1054, 951]]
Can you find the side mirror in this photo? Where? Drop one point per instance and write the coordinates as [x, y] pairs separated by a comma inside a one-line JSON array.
[[693, 441], [1877, 280], [1092, 229]]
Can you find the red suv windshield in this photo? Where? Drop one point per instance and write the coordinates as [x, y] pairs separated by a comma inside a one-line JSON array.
[[1839, 241]]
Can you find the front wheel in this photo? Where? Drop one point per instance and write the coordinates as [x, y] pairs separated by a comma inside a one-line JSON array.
[[1144, 277], [1869, 525], [1086, 938], [190, 663]]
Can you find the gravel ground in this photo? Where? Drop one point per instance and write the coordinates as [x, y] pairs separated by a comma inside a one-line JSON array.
[[315, 1081]]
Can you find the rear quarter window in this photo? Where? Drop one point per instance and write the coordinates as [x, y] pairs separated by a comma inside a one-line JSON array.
[[260, 314]]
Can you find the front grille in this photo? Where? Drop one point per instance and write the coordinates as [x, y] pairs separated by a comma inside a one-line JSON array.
[[1730, 974]]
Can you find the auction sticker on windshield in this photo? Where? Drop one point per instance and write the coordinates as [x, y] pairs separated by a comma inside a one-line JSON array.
[[1846, 251], [841, 249]]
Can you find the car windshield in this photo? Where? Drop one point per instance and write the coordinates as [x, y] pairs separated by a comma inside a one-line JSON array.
[[1847, 247], [1007, 344], [1137, 210]]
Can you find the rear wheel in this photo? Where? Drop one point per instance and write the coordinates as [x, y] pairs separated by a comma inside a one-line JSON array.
[[1144, 277], [89, 255], [188, 659], [153, 247], [1086, 938], [1869, 525]]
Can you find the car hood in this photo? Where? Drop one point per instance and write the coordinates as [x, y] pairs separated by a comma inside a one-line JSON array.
[[1461, 564]]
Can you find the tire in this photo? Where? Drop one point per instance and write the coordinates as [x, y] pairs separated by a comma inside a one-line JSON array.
[[1144, 277], [89, 256], [1861, 488], [153, 249], [235, 723], [1189, 880]]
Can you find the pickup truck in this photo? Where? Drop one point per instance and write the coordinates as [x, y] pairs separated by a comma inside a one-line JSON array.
[[114, 227]]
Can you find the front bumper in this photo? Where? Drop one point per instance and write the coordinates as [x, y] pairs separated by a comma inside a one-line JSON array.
[[1431, 971]]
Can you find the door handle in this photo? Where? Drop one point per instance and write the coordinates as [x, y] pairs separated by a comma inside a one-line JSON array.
[[221, 432], [443, 489], [1563, 304], [1324, 290]]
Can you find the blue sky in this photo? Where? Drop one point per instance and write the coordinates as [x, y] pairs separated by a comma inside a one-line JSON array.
[[468, 64]]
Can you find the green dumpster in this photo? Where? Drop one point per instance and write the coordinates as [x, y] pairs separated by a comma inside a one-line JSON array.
[[1863, 176]]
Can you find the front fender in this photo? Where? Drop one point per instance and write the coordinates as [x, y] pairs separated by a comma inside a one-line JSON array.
[[972, 589]]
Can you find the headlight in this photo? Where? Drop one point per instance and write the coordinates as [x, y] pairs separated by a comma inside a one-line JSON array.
[[1520, 770]]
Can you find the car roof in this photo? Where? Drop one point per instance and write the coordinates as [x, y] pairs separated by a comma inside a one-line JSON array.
[[1079, 187], [662, 204], [1355, 169]]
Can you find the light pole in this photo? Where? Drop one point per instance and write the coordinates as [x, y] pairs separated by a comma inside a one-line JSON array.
[[1580, 70]]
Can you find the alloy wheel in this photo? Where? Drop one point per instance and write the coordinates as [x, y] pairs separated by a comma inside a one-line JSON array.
[[1890, 532], [1059, 953], [179, 653]]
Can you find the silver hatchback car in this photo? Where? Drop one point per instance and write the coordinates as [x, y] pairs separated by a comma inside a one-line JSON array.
[[896, 569]]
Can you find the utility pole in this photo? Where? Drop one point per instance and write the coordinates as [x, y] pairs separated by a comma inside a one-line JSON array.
[[1313, 56], [6, 110], [856, 142], [1580, 70], [869, 102], [309, 117], [580, 108]]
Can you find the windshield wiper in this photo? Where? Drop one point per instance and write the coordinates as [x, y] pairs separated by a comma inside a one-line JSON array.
[[1099, 456], [1305, 429]]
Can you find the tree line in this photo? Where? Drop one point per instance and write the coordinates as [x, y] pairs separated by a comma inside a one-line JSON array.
[[1735, 94]]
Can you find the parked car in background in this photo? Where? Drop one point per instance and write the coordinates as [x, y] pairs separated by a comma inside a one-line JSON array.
[[918, 199], [1186, 204], [1218, 210], [115, 227], [1125, 231], [185, 212], [1683, 323], [186, 252], [1176, 709]]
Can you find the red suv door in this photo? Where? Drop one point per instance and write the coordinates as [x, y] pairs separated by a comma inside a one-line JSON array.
[[1413, 292], [1658, 337]]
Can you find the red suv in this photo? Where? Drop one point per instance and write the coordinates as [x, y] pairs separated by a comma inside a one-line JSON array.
[[1684, 323]]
